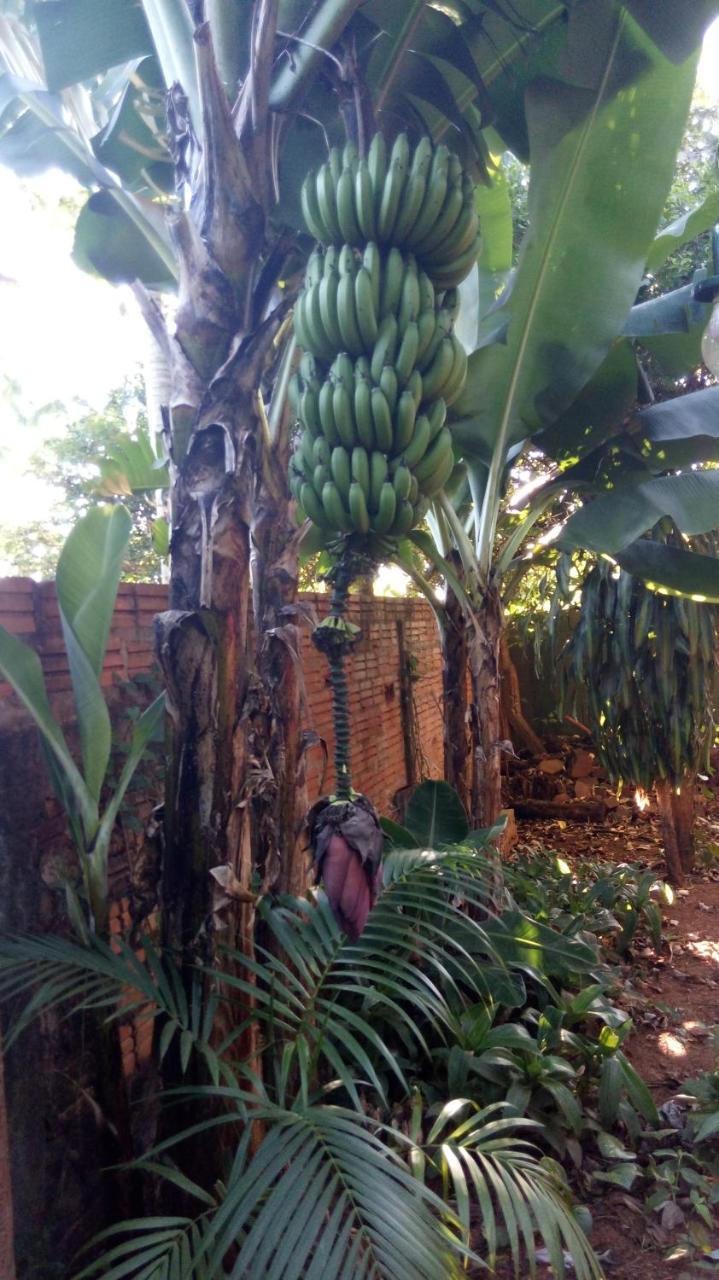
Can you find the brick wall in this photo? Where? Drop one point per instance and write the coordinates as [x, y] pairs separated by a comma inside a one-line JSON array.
[[29, 610]]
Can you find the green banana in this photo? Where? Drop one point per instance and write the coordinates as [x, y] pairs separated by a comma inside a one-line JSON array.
[[402, 483], [426, 327], [377, 166], [434, 378], [360, 469], [404, 420], [309, 371], [327, 417], [449, 277], [417, 446], [346, 215], [310, 411], [327, 296], [436, 413], [393, 184], [350, 156], [377, 477], [347, 316], [442, 329], [320, 476], [439, 477], [358, 508], [364, 202], [434, 197], [363, 412], [372, 262], [340, 468], [404, 519], [365, 308], [386, 509], [385, 347], [342, 408], [314, 508], [389, 384], [311, 210], [409, 303], [415, 386], [334, 508], [326, 202], [440, 448], [442, 230], [321, 452], [392, 281], [458, 375], [407, 354], [462, 235], [313, 270], [382, 420], [343, 371]]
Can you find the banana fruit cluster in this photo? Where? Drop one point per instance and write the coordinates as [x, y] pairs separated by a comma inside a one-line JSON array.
[[381, 361], [420, 202]]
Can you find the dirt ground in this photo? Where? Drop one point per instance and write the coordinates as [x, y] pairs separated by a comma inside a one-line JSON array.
[[673, 999]]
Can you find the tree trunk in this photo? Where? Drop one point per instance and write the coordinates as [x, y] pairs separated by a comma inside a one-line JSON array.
[[518, 730], [676, 808], [455, 670], [484, 648]]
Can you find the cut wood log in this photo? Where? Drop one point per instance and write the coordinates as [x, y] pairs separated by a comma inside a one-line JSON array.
[[572, 810]]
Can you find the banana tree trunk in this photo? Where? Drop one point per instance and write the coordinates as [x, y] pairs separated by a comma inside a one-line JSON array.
[[226, 645], [676, 808], [484, 639], [455, 679]]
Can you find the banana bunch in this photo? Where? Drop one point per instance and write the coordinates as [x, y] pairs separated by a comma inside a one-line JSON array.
[[385, 309], [645, 663], [418, 201], [381, 361], [366, 460]]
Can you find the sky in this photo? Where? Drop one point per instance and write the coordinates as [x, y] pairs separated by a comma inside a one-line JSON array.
[[67, 336]]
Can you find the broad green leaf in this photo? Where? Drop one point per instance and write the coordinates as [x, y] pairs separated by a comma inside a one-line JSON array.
[[676, 28], [21, 667], [132, 468], [674, 312], [708, 1127], [88, 575], [612, 521], [127, 145], [598, 411], [623, 1175], [81, 38], [527, 943], [398, 836], [608, 147], [435, 815], [110, 244], [683, 230], [480, 291], [679, 432], [677, 572]]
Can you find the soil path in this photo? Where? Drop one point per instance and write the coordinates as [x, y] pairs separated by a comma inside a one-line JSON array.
[[673, 999]]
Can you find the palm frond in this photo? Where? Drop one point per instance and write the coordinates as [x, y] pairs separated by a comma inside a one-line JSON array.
[[487, 1170], [327, 1001], [324, 1196], [168, 1248]]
